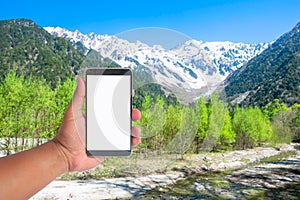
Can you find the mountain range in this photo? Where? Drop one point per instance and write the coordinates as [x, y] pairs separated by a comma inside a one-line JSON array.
[[187, 70], [252, 74]]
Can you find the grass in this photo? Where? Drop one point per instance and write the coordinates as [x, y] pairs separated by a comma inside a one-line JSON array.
[[278, 157], [135, 165]]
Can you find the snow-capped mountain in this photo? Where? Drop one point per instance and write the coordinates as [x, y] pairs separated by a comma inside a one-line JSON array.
[[226, 56], [90, 40], [190, 68]]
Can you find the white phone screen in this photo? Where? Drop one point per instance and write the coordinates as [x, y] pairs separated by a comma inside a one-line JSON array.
[[108, 114]]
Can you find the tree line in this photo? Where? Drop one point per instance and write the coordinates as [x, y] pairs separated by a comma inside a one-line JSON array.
[[31, 111], [211, 125]]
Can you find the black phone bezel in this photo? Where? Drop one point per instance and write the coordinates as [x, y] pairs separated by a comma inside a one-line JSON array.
[[103, 72]]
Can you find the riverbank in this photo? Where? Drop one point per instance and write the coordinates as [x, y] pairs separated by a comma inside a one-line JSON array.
[[276, 177], [133, 186]]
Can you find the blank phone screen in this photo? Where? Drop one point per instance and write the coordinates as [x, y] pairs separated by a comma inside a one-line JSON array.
[[108, 114]]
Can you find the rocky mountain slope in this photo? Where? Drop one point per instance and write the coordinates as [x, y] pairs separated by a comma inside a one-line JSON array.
[[29, 49], [274, 74]]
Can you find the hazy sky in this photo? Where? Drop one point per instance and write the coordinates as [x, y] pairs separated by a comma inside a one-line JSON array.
[[250, 21]]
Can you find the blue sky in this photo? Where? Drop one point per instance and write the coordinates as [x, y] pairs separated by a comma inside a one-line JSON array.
[[211, 20]]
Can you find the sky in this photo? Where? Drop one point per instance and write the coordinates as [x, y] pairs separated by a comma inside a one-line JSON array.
[[249, 21]]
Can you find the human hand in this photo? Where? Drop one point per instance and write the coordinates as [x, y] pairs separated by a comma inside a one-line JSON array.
[[70, 139]]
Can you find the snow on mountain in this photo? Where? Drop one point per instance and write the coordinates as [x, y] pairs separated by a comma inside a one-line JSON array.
[[187, 68], [225, 56], [167, 68], [90, 40]]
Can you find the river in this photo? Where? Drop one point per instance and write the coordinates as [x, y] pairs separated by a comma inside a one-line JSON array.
[[232, 175], [269, 180]]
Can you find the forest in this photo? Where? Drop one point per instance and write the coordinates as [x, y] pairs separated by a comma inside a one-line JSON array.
[[31, 112]]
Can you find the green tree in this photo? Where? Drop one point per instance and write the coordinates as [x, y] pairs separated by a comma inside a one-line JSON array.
[[9, 110], [62, 95], [216, 110], [26, 120], [145, 123], [201, 110], [273, 108], [241, 128], [152, 122], [172, 123], [158, 119], [296, 122], [282, 125], [183, 140], [30, 109], [227, 137], [44, 107], [251, 126], [16, 111]]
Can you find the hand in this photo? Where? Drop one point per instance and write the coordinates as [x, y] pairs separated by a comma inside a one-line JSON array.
[[70, 139]]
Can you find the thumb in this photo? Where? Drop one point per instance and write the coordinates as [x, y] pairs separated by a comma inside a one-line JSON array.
[[78, 97]]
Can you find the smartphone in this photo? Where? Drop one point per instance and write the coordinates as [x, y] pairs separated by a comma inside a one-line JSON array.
[[108, 112]]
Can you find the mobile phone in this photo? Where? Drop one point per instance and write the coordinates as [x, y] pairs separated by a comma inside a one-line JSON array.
[[108, 112]]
